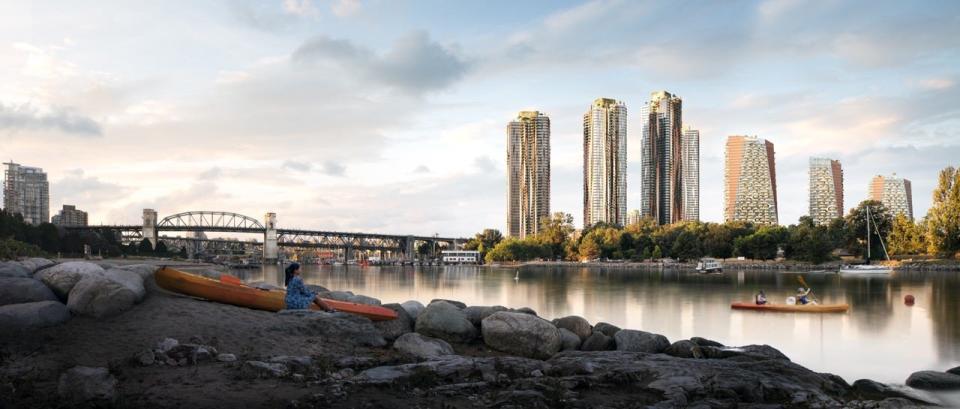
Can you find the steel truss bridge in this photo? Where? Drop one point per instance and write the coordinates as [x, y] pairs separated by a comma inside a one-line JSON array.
[[197, 223]]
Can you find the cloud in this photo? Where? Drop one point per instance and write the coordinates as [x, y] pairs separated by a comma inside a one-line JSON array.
[[421, 169], [333, 168], [344, 8], [302, 8], [28, 117], [937, 83], [209, 174], [297, 166], [414, 63], [485, 164]]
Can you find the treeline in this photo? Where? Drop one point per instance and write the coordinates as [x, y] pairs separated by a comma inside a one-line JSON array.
[[21, 239], [937, 234]]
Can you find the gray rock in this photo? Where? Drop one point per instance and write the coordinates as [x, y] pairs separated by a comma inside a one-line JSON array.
[[145, 271], [955, 371], [445, 321], [422, 347], [317, 288], [35, 264], [706, 342], [61, 278], [263, 285], [476, 313], [146, 358], [190, 353], [457, 304], [521, 334], [18, 290], [167, 344], [871, 390], [337, 295], [130, 280], [569, 340], [748, 353], [392, 329], [933, 380], [598, 342], [450, 369], [299, 364], [260, 369], [97, 296], [32, 315], [606, 329], [575, 324], [413, 307], [640, 341], [363, 299], [226, 358], [684, 349], [347, 327], [82, 384], [13, 269], [525, 310]]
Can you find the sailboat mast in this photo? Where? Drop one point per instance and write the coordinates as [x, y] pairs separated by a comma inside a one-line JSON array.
[[868, 234]]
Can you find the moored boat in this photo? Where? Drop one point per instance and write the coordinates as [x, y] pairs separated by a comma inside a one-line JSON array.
[[231, 291], [709, 265], [791, 308]]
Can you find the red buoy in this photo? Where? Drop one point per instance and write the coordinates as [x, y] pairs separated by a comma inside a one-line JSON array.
[[908, 300]]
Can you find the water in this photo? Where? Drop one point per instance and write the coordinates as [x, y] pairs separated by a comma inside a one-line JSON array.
[[880, 338]]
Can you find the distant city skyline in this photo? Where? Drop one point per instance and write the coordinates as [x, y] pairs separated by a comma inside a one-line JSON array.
[[349, 119]]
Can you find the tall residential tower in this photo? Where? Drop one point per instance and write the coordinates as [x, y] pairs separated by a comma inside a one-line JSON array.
[[528, 173], [26, 191], [826, 190], [605, 163], [661, 158], [750, 181], [895, 193], [690, 152]]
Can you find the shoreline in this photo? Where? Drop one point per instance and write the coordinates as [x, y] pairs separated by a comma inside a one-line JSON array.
[[732, 264]]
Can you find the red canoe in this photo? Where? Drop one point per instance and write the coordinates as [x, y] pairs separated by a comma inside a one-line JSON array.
[[791, 308]]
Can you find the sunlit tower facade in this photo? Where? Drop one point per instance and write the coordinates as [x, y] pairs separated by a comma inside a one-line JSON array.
[[826, 190], [661, 158], [528, 173], [895, 193], [605, 163], [750, 181], [690, 152], [26, 192]]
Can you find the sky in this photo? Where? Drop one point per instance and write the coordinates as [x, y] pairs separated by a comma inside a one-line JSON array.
[[389, 116]]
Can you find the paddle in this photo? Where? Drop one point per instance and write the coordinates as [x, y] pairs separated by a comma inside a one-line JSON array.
[[807, 286]]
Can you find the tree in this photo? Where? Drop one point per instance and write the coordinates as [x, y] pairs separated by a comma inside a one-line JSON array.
[[589, 249], [686, 246], [555, 232], [763, 244], [657, 253], [856, 225], [906, 237], [810, 242], [183, 252], [145, 246], [49, 238], [161, 249], [943, 218]]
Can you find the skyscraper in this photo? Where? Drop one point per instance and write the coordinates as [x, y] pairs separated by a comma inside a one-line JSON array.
[[605, 162], [826, 190], [70, 216], [750, 181], [690, 148], [26, 191], [528, 173], [895, 193], [661, 158]]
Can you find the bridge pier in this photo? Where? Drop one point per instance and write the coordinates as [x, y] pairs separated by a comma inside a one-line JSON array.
[[150, 227], [408, 249], [270, 238]]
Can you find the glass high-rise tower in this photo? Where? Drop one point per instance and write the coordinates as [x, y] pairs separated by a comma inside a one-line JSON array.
[[662, 159], [26, 191], [690, 154], [826, 190], [750, 181], [605, 163], [528, 173]]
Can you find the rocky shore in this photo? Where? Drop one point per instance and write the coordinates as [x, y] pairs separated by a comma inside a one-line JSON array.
[[79, 334]]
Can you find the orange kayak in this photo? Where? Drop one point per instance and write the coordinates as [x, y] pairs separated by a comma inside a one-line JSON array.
[[791, 308], [235, 293]]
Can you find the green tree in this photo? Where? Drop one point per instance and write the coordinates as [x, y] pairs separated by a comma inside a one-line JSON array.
[[183, 252], [49, 238], [145, 247], [589, 249], [810, 242], [161, 249], [856, 224], [657, 253], [686, 246], [555, 232], [943, 218], [906, 237]]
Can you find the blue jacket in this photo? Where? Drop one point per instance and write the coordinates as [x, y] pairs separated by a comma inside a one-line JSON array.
[[298, 296]]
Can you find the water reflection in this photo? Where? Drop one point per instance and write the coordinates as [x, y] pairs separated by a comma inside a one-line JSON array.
[[880, 338]]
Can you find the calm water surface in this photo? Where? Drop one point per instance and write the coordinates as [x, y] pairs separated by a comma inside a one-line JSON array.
[[880, 338]]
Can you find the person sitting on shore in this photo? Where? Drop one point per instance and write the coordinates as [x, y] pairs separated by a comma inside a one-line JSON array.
[[299, 297], [761, 298], [288, 273]]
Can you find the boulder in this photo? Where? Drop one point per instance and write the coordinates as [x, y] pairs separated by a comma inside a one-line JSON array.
[[13, 269], [867, 389], [392, 329], [575, 324], [569, 340], [363, 299], [145, 271], [422, 347], [259, 369], [82, 384], [955, 371], [145, 358], [457, 304], [226, 357], [18, 290], [706, 342], [748, 353], [130, 280], [445, 321], [166, 344], [35, 264], [933, 380], [521, 334], [298, 364], [317, 288], [61, 278], [606, 329], [477, 313], [263, 285], [191, 353], [32, 315], [640, 341], [684, 349], [337, 295], [598, 342], [413, 307], [525, 310], [97, 296]]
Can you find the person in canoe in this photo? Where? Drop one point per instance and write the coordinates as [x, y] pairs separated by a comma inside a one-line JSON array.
[[761, 298], [299, 297], [803, 296]]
